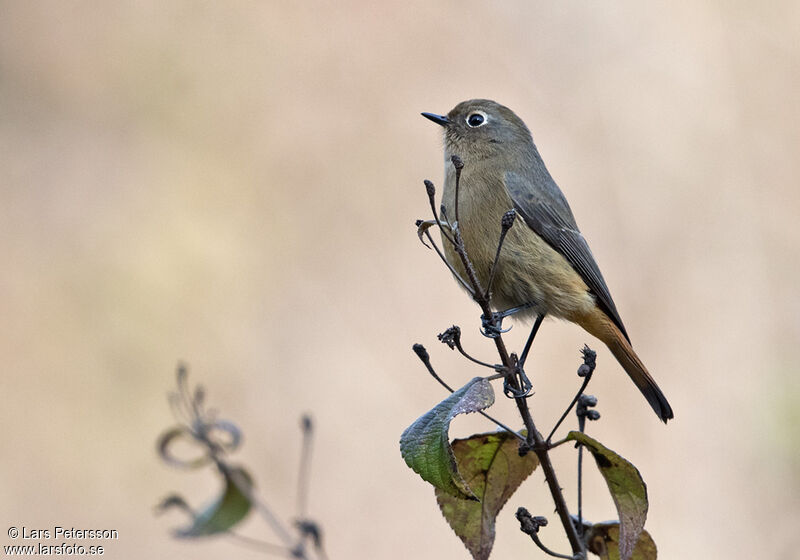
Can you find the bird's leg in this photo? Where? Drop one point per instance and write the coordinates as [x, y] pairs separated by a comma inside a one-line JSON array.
[[534, 330], [492, 327], [523, 383]]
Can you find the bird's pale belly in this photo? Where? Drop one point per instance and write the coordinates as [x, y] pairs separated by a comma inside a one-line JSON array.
[[529, 271]]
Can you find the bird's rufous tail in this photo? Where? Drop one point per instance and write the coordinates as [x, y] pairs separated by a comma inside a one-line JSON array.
[[600, 325]]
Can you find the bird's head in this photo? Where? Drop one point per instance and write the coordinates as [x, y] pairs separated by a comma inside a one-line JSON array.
[[480, 127]]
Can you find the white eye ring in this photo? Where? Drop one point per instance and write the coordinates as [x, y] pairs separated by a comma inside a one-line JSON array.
[[476, 119]]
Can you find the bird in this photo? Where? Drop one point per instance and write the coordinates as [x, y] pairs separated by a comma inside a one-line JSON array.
[[545, 267]]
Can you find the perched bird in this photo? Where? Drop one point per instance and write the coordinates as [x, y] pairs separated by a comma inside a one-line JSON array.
[[545, 266]]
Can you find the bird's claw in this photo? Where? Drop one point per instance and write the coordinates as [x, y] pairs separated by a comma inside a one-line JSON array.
[[514, 393], [492, 327]]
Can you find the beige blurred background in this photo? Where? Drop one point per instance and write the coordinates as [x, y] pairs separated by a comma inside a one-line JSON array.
[[235, 185]]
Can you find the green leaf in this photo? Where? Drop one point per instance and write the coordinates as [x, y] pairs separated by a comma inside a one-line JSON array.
[[603, 539], [425, 444], [627, 489], [225, 512], [492, 468]]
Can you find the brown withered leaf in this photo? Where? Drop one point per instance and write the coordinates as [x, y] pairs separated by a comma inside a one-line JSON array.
[[492, 468], [627, 489], [602, 539]]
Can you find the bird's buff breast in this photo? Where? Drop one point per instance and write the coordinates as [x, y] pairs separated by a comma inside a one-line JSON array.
[[529, 270]]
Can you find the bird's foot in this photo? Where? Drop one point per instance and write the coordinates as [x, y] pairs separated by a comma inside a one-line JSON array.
[[521, 389], [492, 327]]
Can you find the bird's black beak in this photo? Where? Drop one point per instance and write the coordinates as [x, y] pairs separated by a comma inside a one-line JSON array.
[[438, 119]]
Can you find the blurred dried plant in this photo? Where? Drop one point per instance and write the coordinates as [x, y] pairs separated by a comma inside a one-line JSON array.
[[217, 439]]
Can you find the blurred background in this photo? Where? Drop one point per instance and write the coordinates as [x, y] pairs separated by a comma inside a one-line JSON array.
[[235, 185]]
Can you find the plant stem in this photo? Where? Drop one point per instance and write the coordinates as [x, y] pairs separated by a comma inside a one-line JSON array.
[[426, 360], [572, 404], [534, 438], [305, 466]]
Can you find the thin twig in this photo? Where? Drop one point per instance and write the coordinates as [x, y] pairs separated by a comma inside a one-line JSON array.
[[246, 489], [530, 525], [423, 355], [479, 295], [474, 360], [505, 225], [584, 414], [580, 489], [534, 439], [452, 337], [540, 544], [258, 544], [569, 408], [459, 165], [585, 371], [305, 466], [431, 191], [447, 264]]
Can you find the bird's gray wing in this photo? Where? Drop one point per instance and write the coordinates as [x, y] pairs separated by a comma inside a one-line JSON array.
[[547, 213]]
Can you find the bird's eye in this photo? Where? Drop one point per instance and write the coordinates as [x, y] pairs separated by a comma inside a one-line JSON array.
[[476, 119]]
